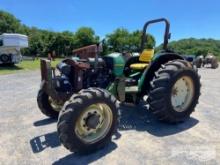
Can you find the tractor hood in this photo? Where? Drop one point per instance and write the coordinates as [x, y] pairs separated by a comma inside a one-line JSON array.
[[118, 63]]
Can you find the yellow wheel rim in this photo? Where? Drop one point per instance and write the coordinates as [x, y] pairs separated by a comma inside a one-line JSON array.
[[94, 123], [57, 107], [182, 94]]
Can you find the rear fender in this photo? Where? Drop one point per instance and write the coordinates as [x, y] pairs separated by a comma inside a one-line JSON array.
[[157, 61]]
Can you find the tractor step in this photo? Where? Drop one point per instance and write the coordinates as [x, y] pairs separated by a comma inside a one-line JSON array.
[[130, 82], [131, 89]]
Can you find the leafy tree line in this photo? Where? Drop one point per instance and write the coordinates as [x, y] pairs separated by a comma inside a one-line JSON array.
[[196, 47], [121, 40], [42, 42]]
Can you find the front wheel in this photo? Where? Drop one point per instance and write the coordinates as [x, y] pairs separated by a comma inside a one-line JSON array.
[[88, 120], [47, 105], [175, 91]]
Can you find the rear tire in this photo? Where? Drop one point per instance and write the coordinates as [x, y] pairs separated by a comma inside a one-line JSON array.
[[214, 63], [174, 92], [198, 62], [44, 105], [73, 121]]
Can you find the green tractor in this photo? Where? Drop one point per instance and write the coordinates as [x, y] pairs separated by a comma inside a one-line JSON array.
[[85, 91]]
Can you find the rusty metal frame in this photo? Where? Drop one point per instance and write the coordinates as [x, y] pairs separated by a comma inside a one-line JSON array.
[[86, 52], [47, 74]]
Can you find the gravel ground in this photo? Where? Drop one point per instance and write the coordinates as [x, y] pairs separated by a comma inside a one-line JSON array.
[[28, 137]]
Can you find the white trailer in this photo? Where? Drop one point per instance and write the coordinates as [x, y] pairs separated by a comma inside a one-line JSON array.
[[10, 46]]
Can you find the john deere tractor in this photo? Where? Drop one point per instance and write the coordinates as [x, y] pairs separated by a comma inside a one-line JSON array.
[[86, 90]]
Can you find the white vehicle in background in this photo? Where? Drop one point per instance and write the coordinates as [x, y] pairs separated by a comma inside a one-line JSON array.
[[10, 47]]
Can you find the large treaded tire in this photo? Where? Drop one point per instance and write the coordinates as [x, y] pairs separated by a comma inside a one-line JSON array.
[[44, 105], [159, 97], [73, 108], [198, 62], [214, 63]]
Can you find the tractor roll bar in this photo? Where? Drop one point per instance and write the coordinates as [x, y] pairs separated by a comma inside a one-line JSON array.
[[167, 34]]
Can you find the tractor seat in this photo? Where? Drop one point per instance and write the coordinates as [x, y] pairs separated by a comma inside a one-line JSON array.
[[144, 58], [138, 66]]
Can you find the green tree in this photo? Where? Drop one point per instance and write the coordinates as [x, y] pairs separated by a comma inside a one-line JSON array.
[[121, 40], [135, 41], [36, 44], [8, 23], [85, 36]]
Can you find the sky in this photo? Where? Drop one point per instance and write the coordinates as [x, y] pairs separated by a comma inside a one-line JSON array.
[[188, 18]]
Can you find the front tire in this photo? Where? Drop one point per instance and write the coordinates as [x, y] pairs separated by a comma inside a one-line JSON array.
[[175, 91], [45, 106], [88, 120]]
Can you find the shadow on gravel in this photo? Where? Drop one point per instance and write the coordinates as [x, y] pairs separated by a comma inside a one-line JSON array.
[[9, 67], [42, 142], [131, 118], [75, 159], [140, 119], [44, 122]]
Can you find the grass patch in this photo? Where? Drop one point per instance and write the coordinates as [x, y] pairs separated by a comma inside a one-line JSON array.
[[23, 66]]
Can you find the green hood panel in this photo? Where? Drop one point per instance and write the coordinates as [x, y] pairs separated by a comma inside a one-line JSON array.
[[119, 63]]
